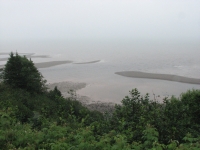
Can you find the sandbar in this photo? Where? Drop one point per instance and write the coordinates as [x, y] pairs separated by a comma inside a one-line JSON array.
[[29, 56], [89, 62], [47, 64], [50, 64], [18, 53], [38, 56], [168, 77]]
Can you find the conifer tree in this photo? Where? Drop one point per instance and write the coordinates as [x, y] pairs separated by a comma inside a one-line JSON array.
[[19, 72]]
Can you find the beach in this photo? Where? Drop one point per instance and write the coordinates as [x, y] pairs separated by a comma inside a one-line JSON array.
[[69, 89]]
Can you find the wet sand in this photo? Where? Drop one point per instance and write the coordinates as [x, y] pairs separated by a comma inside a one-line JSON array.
[[26, 54], [29, 56], [47, 64], [44, 64], [39, 56], [65, 88], [51, 63], [90, 62], [168, 77]]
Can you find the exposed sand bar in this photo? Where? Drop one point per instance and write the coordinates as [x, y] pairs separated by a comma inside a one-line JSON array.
[[18, 53], [169, 77], [38, 56], [28, 56], [90, 62], [47, 64], [50, 64]]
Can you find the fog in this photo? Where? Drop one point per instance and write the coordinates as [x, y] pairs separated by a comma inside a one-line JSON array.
[[101, 37], [100, 20]]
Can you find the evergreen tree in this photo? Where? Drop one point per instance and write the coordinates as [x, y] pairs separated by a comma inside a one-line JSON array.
[[19, 72]]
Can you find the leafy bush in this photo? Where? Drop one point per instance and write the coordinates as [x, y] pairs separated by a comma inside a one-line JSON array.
[[33, 118]]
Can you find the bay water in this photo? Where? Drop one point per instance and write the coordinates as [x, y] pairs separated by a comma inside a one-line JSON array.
[[162, 57]]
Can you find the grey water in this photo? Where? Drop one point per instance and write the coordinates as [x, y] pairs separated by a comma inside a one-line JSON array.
[[166, 57]]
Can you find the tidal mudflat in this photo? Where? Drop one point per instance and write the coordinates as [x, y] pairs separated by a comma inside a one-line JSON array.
[[168, 77], [111, 69]]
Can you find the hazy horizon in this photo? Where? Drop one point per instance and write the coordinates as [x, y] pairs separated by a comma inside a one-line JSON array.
[[177, 20], [148, 36]]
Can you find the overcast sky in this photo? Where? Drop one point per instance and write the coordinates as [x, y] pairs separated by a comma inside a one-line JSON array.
[[100, 19]]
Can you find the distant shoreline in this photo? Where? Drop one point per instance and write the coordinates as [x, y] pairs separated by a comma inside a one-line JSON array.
[[168, 77]]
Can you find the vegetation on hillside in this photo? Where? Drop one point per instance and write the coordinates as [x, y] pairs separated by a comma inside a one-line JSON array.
[[33, 118]]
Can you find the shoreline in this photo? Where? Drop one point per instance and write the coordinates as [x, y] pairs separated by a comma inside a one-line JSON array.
[[66, 86], [92, 101]]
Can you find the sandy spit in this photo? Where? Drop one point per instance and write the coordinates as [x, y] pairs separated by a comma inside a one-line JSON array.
[[50, 64], [29, 56], [47, 64], [39, 56], [169, 77], [26, 54], [90, 62]]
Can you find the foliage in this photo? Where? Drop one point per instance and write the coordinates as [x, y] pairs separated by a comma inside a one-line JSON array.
[[191, 99], [47, 120]]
